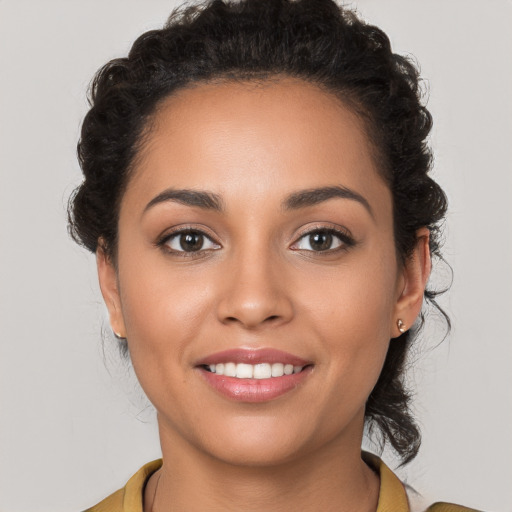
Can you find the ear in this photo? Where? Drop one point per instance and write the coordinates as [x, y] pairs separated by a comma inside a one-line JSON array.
[[415, 274], [109, 285]]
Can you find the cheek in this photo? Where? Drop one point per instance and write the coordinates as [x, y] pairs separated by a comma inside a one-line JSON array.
[[351, 310], [163, 312], [355, 299], [163, 318]]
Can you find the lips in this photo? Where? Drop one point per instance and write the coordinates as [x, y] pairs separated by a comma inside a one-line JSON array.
[[253, 356], [253, 375]]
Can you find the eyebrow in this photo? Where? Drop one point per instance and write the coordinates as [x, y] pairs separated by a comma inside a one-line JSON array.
[[200, 198], [314, 196], [295, 201]]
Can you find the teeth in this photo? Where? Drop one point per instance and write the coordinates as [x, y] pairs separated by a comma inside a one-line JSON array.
[[230, 370], [256, 371], [244, 371], [277, 370], [262, 371]]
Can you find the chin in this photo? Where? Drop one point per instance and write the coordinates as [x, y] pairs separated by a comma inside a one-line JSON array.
[[258, 442], [257, 455]]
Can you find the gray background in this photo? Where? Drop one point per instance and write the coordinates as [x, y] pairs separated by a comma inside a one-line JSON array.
[[73, 429]]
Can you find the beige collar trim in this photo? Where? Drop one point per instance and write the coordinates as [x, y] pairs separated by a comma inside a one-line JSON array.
[[392, 494]]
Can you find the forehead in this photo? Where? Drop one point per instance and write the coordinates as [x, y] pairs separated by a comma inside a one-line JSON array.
[[260, 139]]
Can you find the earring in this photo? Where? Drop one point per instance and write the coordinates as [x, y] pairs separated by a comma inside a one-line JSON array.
[[400, 325], [118, 336]]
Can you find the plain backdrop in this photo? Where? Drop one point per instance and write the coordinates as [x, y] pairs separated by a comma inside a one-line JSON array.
[[73, 423]]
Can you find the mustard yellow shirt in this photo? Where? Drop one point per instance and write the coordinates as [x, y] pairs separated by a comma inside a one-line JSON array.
[[392, 495]]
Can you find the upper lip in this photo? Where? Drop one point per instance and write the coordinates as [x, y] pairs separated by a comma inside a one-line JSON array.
[[252, 356]]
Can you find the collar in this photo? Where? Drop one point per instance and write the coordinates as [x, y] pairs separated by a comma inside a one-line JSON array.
[[134, 489], [392, 494]]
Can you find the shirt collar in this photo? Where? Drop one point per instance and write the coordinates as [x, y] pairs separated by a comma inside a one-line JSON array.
[[392, 494]]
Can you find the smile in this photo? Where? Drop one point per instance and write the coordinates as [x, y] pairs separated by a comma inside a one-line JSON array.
[[254, 371], [254, 376]]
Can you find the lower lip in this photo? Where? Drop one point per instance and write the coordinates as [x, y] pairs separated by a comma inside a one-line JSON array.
[[255, 390]]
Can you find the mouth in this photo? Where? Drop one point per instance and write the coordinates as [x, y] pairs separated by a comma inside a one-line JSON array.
[[253, 371], [254, 375]]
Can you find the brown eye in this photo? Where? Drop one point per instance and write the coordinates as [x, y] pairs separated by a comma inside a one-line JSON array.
[[320, 241], [189, 241], [323, 240]]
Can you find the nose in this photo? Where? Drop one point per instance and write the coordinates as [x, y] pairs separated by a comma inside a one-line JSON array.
[[255, 293]]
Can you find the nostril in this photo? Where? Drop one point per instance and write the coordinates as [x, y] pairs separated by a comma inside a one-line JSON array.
[[254, 310], [269, 319]]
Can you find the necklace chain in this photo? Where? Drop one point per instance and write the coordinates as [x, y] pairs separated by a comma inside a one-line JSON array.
[[156, 490]]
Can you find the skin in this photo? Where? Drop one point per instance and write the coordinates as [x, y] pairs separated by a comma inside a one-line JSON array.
[[259, 284]]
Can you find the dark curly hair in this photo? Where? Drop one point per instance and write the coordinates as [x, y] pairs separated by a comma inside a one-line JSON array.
[[313, 40]]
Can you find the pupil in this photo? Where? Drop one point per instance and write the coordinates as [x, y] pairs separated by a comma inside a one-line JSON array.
[[191, 241], [320, 241]]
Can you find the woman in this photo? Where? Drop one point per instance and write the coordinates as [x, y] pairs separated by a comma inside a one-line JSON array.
[[256, 193]]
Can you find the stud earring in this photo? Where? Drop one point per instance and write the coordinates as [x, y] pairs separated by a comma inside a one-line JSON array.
[[400, 325], [118, 336]]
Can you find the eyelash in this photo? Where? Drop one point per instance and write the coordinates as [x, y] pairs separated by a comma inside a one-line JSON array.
[[163, 242], [346, 241]]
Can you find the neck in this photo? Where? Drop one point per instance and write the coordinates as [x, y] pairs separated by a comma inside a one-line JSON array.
[[332, 478]]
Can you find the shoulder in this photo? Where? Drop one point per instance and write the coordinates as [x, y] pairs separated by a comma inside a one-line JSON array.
[[449, 507], [395, 496], [113, 503], [130, 497], [418, 503]]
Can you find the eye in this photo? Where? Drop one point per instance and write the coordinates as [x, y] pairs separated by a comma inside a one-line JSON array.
[[188, 241], [323, 240]]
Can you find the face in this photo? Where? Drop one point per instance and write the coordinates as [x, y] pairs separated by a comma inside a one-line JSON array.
[[255, 241]]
